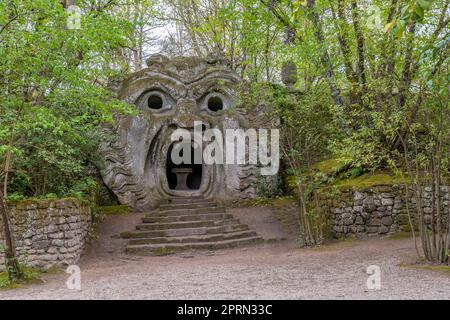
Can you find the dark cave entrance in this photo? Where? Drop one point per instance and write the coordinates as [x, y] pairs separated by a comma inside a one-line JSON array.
[[184, 177]]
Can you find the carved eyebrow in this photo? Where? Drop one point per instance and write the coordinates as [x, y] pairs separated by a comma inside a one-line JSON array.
[[200, 88], [145, 75], [136, 88], [216, 75], [160, 87]]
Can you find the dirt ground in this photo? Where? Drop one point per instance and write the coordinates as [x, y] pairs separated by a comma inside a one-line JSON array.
[[270, 271]]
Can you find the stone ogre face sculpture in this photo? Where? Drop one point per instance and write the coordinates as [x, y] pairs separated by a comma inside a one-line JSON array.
[[172, 94]]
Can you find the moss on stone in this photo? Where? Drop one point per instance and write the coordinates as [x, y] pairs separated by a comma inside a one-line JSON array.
[[44, 203], [329, 166], [119, 209], [369, 180]]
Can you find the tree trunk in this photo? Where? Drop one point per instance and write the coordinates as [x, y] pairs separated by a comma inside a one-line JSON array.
[[12, 264], [360, 47]]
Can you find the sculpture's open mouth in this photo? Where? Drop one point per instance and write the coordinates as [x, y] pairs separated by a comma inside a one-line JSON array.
[[183, 176]]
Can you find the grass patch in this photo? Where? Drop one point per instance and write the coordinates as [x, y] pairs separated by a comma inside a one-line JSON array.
[[108, 210], [437, 268], [163, 251], [333, 244], [349, 239], [31, 277], [400, 235], [270, 202]]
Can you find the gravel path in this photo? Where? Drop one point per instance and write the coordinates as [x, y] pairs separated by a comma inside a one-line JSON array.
[[278, 271]]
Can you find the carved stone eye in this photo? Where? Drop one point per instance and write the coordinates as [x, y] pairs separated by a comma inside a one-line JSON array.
[[215, 103], [155, 101]]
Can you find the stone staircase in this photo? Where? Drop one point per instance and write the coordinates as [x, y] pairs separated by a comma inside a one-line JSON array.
[[187, 224]]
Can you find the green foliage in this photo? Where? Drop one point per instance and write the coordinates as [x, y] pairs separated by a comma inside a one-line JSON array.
[[374, 79], [31, 275], [54, 95], [82, 188], [269, 187], [355, 172], [307, 126], [413, 11], [329, 166]]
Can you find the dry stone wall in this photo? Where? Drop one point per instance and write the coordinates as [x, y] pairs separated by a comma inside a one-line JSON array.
[[48, 232], [376, 211]]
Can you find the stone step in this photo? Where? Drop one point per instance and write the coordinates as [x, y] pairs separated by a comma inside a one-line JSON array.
[[230, 221], [187, 200], [189, 217], [182, 212], [192, 205], [188, 223], [158, 249], [183, 232], [185, 224], [176, 225], [194, 239]]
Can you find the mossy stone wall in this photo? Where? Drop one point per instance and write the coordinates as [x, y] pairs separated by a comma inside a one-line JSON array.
[[48, 233], [377, 210]]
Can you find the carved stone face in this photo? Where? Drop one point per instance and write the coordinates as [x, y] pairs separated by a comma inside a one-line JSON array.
[[172, 94]]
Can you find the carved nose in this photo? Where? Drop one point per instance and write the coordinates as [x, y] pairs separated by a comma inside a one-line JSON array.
[[186, 106]]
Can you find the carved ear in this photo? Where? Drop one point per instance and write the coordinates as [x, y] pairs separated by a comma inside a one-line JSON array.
[[156, 59]]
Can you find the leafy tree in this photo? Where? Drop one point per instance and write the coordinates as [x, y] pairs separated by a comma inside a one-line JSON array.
[[238, 29], [54, 96], [375, 60], [426, 157]]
